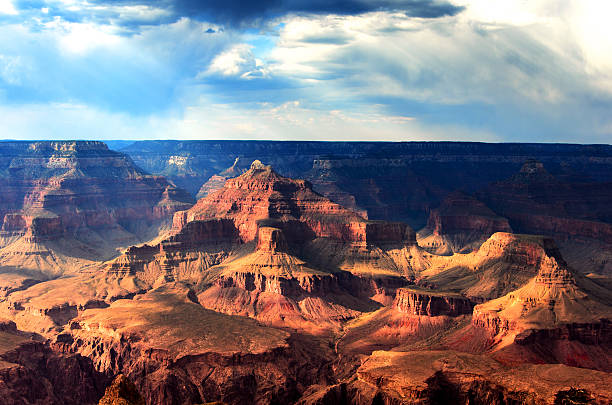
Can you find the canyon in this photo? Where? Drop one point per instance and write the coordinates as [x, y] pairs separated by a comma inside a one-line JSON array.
[[304, 272]]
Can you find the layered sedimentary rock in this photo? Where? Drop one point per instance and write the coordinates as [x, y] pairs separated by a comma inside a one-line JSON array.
[[391, 181], [259, 198], [76, 199], [177, 352], [556, 308], [435, 377], [269, 247], [278, 288], [267, 292], [32, 373], [262, 194], [503, 263], [460, 224], [431, 303], [535, 201]]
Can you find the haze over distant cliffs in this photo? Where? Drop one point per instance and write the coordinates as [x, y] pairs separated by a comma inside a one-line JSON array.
[[310, 273]]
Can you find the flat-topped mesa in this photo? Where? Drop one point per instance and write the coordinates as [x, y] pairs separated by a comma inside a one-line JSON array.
[[271, 240], [431, 303], [68, 146], [260, 194]]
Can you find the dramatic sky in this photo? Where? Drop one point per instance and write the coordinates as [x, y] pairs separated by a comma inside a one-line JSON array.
[[485, 70]]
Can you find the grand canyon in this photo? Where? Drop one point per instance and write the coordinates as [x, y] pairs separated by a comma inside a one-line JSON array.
[[263, 272]]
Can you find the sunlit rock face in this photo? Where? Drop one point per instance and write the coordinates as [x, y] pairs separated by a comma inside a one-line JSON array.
[[267, 291], [431, 303]]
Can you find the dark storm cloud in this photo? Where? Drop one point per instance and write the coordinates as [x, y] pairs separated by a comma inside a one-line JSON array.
[[239, 13]]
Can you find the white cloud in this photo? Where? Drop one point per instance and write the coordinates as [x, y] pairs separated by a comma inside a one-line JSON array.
[[7, 7], [451, 60], [236, 61], [79, 38], [531, 64]]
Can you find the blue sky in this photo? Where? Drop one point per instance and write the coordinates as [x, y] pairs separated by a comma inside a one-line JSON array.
[[482, 70]]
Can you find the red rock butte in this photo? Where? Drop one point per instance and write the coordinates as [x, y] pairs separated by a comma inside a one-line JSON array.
[[305, 285]]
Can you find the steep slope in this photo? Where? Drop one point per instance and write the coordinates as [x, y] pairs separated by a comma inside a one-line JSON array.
[[558, 313], [534, 201], [177, 352], [31, 372], [278, 288], [503, 263], [269, 247], [460, 224], [75, 199], [217, 181]]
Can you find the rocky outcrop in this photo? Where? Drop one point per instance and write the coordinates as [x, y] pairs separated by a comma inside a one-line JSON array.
[[503, 263], [261, 194], [276, 213], [555, 308], [121, 392], [78, 198], [31, 372], [278, 288], [431, 303], [535, 201], [460, 224], [271, 240], [183, 255], [434, 377], [177, 352]]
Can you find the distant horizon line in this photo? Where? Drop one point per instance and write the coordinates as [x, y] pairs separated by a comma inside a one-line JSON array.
[[301, 141]]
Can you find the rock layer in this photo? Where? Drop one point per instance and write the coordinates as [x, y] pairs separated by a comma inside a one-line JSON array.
[[78, 199], [431, 303]]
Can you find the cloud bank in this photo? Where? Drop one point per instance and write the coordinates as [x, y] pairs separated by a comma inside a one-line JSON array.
[[392, 70]]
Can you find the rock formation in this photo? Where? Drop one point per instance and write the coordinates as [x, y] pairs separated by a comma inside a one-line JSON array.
[[31, 372], [267, 291], [503, 263], [460, 224], [432, 377], [76, 199], [177, 352], [122, 392], [431, 303], [556, 307], [217, 181], [534, 201]]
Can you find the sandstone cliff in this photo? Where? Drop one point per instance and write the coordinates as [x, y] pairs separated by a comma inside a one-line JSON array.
[[460, 224], [76, 199]]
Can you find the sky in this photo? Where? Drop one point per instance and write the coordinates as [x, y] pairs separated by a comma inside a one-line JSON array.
[[388, 70]]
